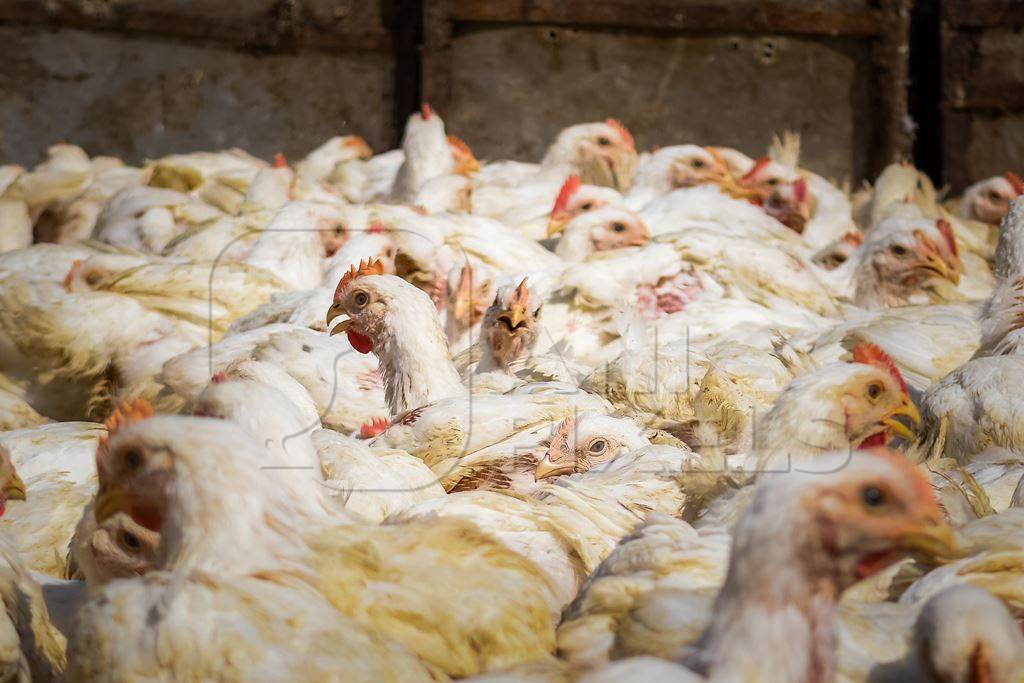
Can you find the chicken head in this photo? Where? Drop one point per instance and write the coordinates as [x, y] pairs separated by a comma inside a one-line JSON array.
[[586, 441]]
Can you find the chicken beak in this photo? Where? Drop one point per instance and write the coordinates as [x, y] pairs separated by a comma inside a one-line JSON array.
[[108, 503], [15, 489], [517, 315], [546, 468], [908, 410], [463, 299], [333, 312], [468, 166], [933, 540], [556, 224], [937, 264]]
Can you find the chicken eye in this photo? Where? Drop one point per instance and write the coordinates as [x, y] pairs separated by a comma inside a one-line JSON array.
[[838, 259], [597, 446], [874, 390], [130, 541], [773, 181], [360, 299], [587, 206], [697, 163], [993, 195], [618, 227], [132, 459], [339, 231], [898, 250], [872, 496], [603, 141]]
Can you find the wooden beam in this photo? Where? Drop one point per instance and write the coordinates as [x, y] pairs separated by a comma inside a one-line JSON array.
[[973, 14], [728, 16], [276, 25], [988, 96]]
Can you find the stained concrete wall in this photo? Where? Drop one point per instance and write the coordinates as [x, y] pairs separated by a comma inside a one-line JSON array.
[[514, 88], [137, 98]]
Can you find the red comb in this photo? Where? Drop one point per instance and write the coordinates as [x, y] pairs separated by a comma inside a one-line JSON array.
[[947, 231], [521, 293], [622, 131], [126, 413], [759, 165], [376, 227], [425, 111], [800, 191], [853, 238], [71, 273], [564, 426], [459, 145], [219, 377], [1015, 181], [280, 161], [569, 188], [367, 267], [871, 354], [374, 427]]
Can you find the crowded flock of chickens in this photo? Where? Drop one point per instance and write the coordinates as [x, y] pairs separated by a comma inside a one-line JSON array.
[[673, 415]]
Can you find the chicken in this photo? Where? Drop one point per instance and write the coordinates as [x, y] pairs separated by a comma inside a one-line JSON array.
[[901, 257], [576, 444], [31, 647], [874, 510], [427, 151], [674, 167], [575, 199], [599, 153], [962, 634], [971, 409], [601, 230], [399, 324], [988, 200], [171, 472]]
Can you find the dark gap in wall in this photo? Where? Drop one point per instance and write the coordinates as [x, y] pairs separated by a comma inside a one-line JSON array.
[[405, 17], [925, 96]]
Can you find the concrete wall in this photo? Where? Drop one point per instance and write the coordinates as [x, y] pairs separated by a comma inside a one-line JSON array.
[[514, 88]]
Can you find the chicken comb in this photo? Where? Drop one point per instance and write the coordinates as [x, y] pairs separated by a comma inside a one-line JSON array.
[[623, 132], [800, 191], [853, 238], [569, 188], [564, 427], [872, 354], [947, 231], [219, 377], [374, 427], [280, 161], [366, 267], [759, 165], [71, 273], [355, 141], [126, 413], [1015, 182], [376, 227], [459, 145], [426, 112], [465, 275], [522, 293]]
